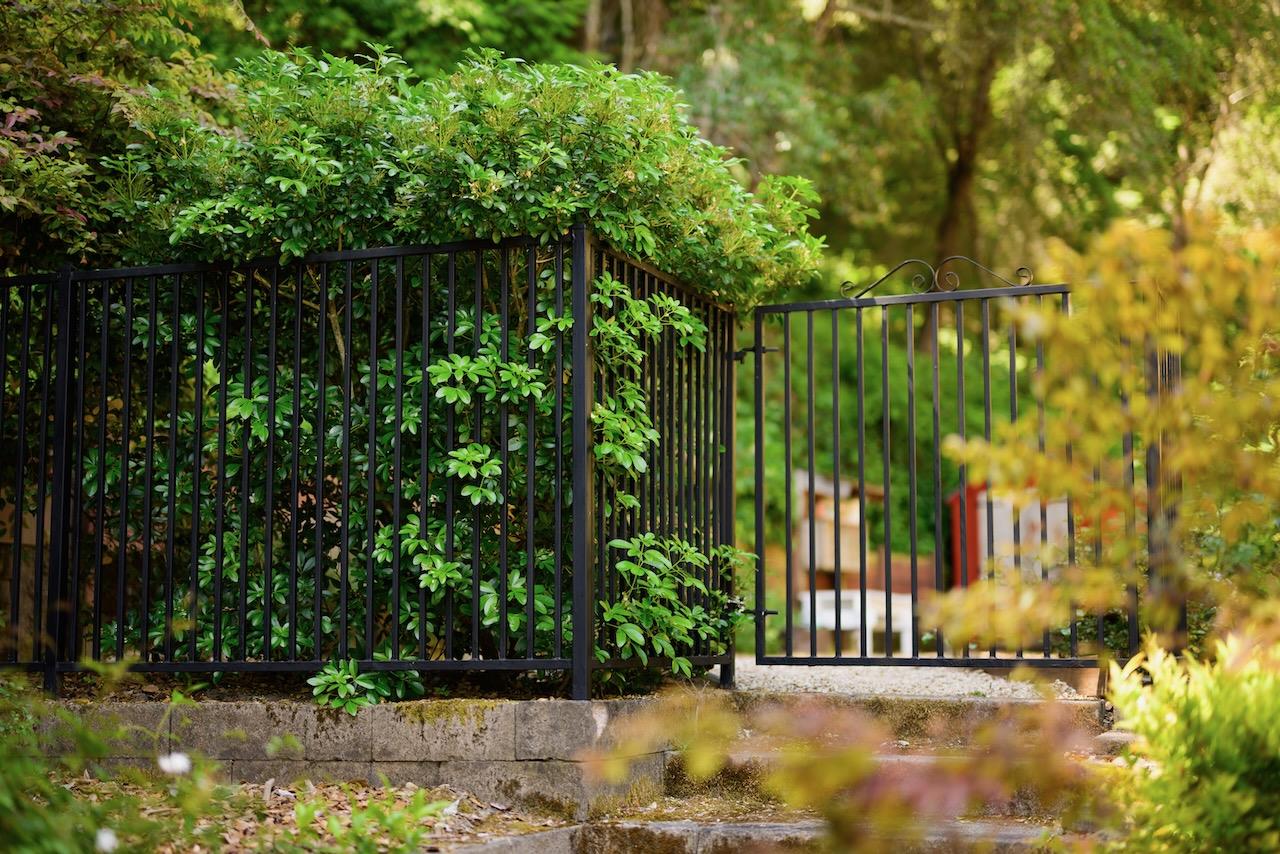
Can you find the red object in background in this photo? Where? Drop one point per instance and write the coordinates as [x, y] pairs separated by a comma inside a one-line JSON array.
[[970, 539]]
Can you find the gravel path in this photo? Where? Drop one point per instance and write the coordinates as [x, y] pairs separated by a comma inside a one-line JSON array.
[[885, 681]]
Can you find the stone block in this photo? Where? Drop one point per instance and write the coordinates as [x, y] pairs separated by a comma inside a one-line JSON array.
[[564, 729], [424, 774], [337, 736], [563, 788], [286, 772], [131, 730], [431, 730], [239, 730]]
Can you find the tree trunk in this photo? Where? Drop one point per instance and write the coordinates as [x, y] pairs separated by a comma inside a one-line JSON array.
[[957, 232], [627, 61], [591, 28]]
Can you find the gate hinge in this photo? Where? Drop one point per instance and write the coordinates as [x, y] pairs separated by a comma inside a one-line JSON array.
[[754, 348]]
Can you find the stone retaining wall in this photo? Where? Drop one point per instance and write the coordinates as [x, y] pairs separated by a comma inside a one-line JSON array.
[[526, 753]]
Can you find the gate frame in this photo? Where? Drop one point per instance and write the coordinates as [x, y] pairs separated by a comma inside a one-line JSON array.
[[939, 285]]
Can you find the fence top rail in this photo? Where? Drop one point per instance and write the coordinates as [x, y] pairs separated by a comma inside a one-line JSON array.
[[370, 254], [909, 299], [684, 291]]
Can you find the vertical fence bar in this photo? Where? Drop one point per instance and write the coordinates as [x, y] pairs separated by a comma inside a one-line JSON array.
[[886, 454], [193, 579], [837, 519], [72, 642], [19, 492], [148, 489], [268, 505], [938, 549], [1130, 514], [1071, 521], [790, 490], [504, 534], [531, 271], [344, 553], [371, 464], [911, 483], [397, 476], [6, 298], [100, 509], [47, 358], [1015, 508], [450, 418], [1040, 446], [61, 509], [322, 406], [173, 468], [583, 476], [424, 452], [986, 435], [811, 488], [758, 390], [863, 635], [557, 509], [728, 507], [242, 573], [477, 435], [122, 547], [295, 473], [220, 512], [961, 424]]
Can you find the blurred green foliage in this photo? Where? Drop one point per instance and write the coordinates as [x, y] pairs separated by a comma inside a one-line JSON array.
[[431, 35], [1203, 772]]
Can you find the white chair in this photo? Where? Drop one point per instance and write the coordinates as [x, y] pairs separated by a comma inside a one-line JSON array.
[[850, 604]]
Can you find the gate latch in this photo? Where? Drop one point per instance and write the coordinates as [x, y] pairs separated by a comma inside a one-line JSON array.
[[753, 349], [761, 613]]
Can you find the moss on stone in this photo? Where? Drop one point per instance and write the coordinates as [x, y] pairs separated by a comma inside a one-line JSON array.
[[913, 718], [473, 712], [643, 791], [742, 780]]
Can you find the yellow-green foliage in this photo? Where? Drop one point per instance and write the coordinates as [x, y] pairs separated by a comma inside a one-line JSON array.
[[1206, 766], [1140, 294]]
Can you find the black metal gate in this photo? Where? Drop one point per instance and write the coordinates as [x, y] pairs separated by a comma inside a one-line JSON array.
[[860, 516]]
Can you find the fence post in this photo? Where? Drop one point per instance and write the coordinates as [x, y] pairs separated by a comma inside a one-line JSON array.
[[61, 485], [584, 499], [728, 499], [1165, 589]]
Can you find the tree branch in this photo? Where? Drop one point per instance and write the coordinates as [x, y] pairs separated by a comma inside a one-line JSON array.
[[883, 15]]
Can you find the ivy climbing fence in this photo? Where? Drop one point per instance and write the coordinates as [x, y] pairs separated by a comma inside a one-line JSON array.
[[379, 455]]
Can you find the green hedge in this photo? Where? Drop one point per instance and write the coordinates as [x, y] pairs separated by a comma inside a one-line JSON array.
[[333, 153]]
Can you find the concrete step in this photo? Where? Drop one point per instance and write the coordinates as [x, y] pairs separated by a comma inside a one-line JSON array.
[[929, 719], [689, 837], [746, 774], [1114, 742]]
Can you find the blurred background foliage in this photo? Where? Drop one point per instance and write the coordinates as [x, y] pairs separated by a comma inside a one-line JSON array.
[[929, 127]]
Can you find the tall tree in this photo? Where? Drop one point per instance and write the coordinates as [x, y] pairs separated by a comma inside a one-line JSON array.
[[935, 127]]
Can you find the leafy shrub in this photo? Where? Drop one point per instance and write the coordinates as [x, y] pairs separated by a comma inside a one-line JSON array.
[[654, 613], [333, 153], [341, 685], [1205, 774]]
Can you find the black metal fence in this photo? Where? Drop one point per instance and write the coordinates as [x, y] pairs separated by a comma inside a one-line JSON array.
[[874, 518], [376, 454]]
